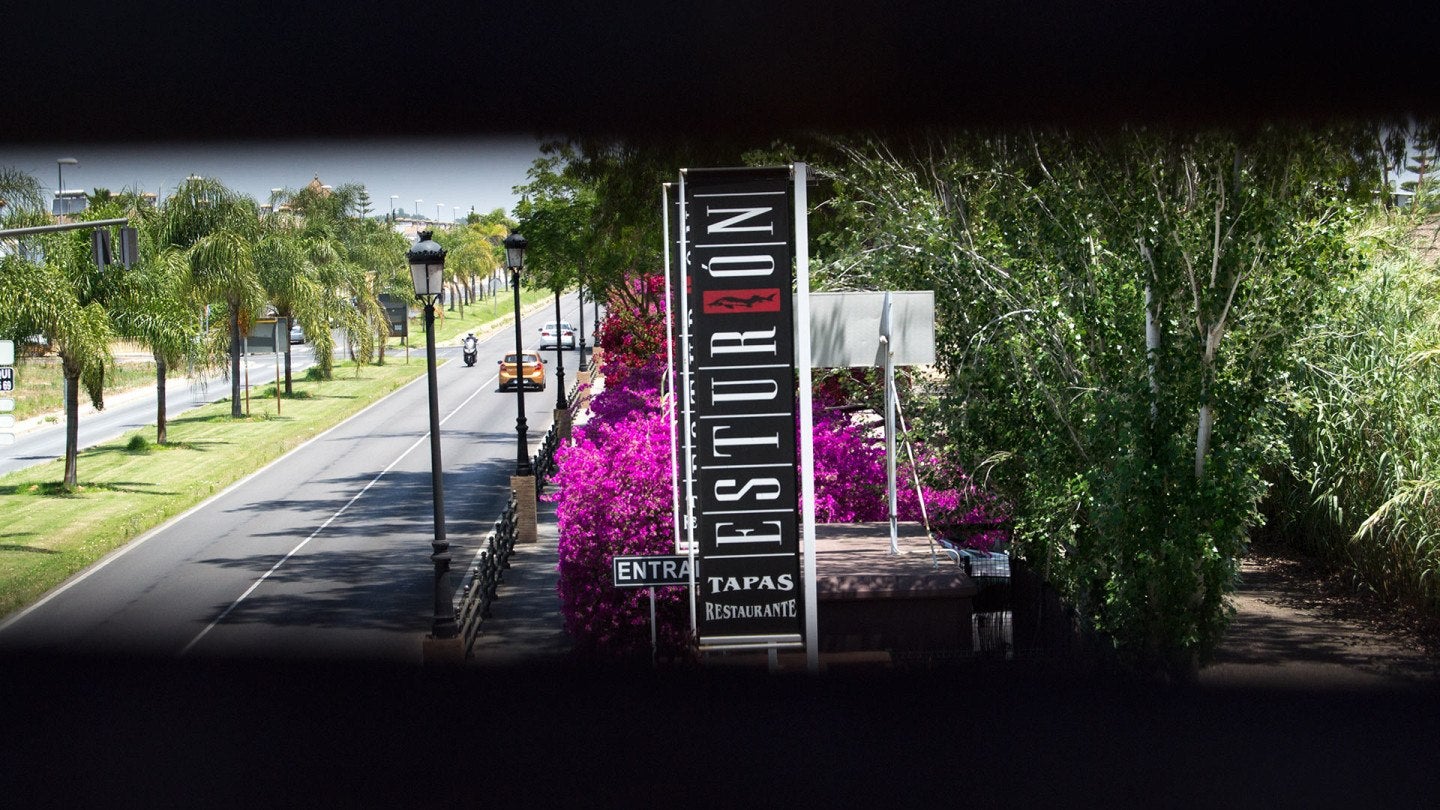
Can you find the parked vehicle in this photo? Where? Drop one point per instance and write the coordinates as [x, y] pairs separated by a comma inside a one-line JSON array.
[[554, 335], [531, 375], [297, 333], [468, 347]]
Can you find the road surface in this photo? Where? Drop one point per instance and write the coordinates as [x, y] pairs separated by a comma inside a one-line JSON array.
[[324, 553]]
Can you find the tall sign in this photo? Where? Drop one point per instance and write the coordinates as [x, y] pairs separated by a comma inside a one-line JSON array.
[[736, 246]]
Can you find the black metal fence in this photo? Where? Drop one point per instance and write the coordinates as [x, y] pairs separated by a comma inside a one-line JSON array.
[[486, 575]]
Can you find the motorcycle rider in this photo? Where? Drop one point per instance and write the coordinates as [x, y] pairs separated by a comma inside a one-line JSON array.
[[469, 346]]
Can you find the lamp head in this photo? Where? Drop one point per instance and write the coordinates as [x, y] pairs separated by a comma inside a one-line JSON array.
[[515, 251], [427, 266]]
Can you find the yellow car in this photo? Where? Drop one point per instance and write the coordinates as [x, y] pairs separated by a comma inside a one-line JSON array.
[[534, 374]]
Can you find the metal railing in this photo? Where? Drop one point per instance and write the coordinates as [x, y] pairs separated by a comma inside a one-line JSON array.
[[543, 461], [486, 576]]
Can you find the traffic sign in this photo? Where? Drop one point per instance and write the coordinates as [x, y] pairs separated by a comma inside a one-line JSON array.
[[7, 378], [6, 421], [650, 570], [7, 438], [7, 352], [6, 405]]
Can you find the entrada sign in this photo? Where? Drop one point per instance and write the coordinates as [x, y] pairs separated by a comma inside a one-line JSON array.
[[738, 372], [651, 571]]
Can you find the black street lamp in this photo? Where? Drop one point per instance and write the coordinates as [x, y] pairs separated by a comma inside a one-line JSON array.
[[427, 270], [581, 293], [560, 404], [514, 262]]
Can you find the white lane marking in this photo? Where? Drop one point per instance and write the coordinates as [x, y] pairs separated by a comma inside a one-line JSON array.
[[276, 567]]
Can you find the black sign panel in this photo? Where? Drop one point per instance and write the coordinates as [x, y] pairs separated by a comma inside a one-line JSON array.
[[739, 253], [7, 378], [397, 313], [266, 335]]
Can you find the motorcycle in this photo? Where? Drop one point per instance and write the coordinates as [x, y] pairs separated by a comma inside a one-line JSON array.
[[469, 347]]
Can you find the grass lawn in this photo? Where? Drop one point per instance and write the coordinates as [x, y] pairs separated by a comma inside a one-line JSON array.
[[129, 486], [40, 385]]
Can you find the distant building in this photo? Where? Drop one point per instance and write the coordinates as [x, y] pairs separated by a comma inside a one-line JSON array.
[[410, 227]]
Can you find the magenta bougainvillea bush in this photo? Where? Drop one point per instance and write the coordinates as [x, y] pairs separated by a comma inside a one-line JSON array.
[[615, 493]]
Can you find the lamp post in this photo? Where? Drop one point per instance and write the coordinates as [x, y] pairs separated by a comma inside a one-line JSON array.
[[560, 404], [581, 346], [418, 215], [514, 262], [393, 198], [427, 270]]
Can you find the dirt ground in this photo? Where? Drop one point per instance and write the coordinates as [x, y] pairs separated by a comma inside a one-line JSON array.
[[1299, 625]]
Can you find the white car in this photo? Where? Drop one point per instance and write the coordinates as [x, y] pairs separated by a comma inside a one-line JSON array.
[[557, 335]]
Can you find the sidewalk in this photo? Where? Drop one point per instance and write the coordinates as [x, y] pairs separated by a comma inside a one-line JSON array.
[[525, 628], [1280, 640]]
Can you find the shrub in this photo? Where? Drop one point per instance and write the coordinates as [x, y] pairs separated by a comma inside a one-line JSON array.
[[615, 499]]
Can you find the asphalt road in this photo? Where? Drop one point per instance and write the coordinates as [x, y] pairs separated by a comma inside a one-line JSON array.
[[136, 409], [323, 554]]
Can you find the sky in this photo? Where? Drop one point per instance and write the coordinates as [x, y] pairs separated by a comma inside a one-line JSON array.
[[476, 173]]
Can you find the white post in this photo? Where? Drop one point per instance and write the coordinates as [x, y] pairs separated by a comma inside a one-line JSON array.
[[670, 364], [890, 487], [807, 421], [654, 638], [688, 463]]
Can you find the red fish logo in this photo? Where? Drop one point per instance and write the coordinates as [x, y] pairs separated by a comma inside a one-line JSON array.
[[722, 302]]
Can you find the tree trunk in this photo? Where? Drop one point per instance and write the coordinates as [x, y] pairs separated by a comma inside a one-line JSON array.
[[235, 348], [1152, 350], [289, 320], [159, 398], [71, 371]]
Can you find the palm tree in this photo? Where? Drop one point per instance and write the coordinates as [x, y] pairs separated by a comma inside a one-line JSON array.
[[22, 202], [285, 258], [355, 261], [62, 296], [158, 307], [216, 229], [471, 251]]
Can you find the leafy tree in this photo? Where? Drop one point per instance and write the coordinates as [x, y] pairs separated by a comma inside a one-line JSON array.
[[1116, 316], [555, 216], [624, 179]]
